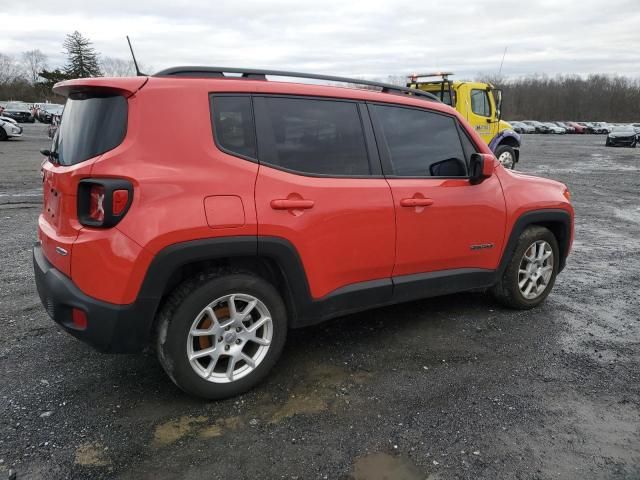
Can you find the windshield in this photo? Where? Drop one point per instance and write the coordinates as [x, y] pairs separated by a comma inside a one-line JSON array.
[[91, 126], [624, 129], [17, 106], [445, 97], [52, 108]]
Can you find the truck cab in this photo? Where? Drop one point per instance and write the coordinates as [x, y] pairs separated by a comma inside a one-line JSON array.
[[480, 104]]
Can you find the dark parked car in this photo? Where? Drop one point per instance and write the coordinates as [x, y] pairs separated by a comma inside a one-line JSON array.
[[623, 136], [19, 111], [47, 111]]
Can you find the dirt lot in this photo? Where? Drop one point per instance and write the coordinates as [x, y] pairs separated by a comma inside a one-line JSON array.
[[455, 387]]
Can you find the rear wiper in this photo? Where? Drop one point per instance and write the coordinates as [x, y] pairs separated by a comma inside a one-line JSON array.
[[52, 156]]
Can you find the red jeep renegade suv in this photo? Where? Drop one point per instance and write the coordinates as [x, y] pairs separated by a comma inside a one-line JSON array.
[[204, 214]]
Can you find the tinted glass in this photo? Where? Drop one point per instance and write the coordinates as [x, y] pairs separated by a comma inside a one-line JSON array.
[[90, 126], [311, 136], [233, 124], [421, 143], [467, 145], [480, 103]]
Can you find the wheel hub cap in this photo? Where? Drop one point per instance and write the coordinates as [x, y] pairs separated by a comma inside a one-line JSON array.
[[506, 159]]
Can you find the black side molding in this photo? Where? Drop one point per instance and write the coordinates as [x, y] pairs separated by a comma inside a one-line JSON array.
[[443, 282]]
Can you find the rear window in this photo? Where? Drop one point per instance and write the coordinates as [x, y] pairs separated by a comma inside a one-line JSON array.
[[91, 126]]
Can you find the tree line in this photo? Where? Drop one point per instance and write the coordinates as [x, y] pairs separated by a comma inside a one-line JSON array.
[[30, 77], [595, 97]]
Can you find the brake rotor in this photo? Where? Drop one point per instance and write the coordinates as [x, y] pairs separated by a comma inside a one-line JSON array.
[[221, 313]]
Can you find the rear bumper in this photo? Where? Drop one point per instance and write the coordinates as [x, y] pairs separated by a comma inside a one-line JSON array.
[[111, 328]]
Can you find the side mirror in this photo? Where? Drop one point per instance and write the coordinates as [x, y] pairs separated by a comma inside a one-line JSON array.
[[481, 166]]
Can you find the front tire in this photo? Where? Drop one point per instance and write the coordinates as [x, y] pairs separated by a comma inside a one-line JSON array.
[[531, 272], [506, 155], [219, 335]]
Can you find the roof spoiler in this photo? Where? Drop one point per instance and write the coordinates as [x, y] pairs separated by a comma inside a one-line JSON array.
[[126, 86]]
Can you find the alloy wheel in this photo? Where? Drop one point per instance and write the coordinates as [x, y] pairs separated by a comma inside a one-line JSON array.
[[536, 269], [229, 338]]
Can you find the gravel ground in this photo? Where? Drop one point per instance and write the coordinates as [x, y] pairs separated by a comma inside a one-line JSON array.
[[455, 387]]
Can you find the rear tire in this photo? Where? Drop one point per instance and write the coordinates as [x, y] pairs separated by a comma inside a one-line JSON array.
[[215, 313], [506, 156], [3, 135], [534, 262]]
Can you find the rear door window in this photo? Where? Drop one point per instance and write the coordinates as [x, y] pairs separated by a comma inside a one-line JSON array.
[[420, 143], [91, 126], [321, 137]]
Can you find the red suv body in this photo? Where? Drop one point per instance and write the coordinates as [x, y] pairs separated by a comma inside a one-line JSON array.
[[307, 201]]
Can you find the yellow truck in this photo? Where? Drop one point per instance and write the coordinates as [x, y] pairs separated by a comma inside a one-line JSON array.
[[479, 103]]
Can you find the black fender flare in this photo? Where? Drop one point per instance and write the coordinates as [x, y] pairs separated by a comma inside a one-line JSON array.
[[173, 257], [556, 219]]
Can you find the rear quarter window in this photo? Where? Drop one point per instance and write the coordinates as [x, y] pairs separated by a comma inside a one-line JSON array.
[[232, 120], [91, 125]]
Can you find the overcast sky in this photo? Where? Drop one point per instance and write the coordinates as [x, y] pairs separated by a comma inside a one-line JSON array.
[[370, 39]]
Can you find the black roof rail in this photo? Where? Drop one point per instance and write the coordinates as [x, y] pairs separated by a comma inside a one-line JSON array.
[[254, 74]]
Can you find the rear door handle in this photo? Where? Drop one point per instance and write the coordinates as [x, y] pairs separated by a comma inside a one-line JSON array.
[[291, 204], [416, 202]]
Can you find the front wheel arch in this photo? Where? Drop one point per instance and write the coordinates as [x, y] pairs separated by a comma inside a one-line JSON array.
[[558, 221]]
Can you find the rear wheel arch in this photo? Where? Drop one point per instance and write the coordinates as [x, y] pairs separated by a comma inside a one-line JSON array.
[[272, 259]]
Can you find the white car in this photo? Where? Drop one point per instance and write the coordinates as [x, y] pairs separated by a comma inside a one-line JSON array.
[[553, 128], [9, 128]]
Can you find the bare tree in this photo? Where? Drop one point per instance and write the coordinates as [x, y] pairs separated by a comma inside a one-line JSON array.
[[10, 70], [34, 62], [118, 67]]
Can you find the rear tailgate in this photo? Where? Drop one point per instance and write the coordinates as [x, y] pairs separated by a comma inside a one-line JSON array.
[[94, 122], [58, 224]]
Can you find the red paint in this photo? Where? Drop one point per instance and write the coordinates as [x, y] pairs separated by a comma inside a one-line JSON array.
[[224, 211], [347, 236], [437, 232], [346, 230]]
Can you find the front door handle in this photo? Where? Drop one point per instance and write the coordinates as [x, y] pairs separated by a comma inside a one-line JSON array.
[[416, 202], [291, 204]]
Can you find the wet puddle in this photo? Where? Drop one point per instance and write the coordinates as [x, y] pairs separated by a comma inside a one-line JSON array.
[[382, 466]]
